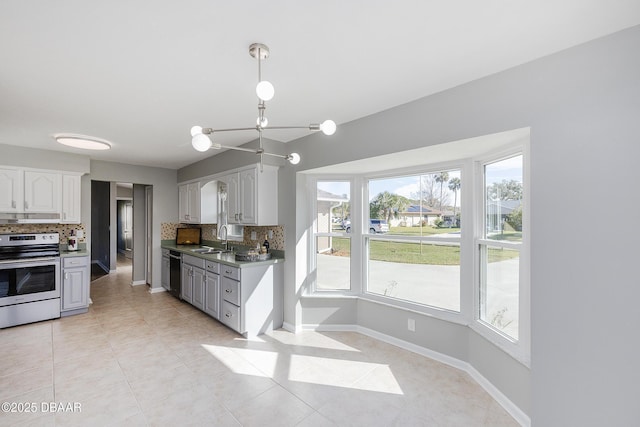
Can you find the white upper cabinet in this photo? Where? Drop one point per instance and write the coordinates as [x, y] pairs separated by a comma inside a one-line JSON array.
[[189, 203], [71, 205], [252, 196], [183, 203], [234, 210], [249, 196], [197, 202], [11, 193], [42, 191]]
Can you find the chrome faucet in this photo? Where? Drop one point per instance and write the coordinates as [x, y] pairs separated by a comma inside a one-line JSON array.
[[224, 227]]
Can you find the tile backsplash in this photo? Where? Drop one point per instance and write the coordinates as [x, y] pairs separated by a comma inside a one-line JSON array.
[[63, 229], [209, 232], [167, 232]]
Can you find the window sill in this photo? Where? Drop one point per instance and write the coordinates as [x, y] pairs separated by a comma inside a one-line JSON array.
[[329, 296]]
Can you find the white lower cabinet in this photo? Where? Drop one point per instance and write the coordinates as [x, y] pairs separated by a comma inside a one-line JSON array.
[[75, 285], [231, 316], [212, 290], [198, 288], [251, 298], [166, 269], [231, 311], [192, 280]]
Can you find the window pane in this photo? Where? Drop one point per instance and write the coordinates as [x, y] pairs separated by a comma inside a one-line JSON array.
[[423, 273], [503, 199], [418, 205], [499, 289], [332, 263], [333, 206]]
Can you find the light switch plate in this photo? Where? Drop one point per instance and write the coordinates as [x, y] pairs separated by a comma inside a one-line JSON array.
[[253, 235]]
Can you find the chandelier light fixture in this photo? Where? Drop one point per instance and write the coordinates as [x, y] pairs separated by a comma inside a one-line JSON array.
[[201, 137]]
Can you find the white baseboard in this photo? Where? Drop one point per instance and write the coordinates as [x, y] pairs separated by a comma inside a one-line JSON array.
[[331, 328], [157, 290], [513, 410], [138, 282], [291, 328]]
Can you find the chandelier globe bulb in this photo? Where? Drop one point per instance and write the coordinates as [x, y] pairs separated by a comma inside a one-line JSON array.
[[201, 142], [294, 158], [265, 90], [328, 127]]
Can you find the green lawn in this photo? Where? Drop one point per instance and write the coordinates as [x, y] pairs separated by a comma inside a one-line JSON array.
[[416, 252]]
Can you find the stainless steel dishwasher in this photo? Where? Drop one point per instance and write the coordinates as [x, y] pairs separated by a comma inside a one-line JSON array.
[[175, 284]]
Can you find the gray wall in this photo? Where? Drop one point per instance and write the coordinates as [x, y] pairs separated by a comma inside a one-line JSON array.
[[123, 192], [13, 155], [230, 159], [582, 106], [165, 199]]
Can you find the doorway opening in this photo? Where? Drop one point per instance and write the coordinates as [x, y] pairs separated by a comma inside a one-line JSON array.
[[120, 225]]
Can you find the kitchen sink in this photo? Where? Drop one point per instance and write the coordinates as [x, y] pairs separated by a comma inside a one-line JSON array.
[[207, 250]]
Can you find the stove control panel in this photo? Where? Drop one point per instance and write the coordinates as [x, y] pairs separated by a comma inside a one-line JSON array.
[[28, 239]]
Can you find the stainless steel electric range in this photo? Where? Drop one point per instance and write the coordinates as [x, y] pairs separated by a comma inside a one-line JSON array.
[[29, 278]]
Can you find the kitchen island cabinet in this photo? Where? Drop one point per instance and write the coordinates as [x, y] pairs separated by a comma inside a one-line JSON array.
[[251, 298], [245, 296]]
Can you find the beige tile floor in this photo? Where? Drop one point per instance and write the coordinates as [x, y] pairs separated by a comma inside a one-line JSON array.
[[138, 359]]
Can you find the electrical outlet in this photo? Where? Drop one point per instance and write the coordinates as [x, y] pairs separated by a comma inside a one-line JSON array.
[[411, 325], [253, 235], [270, 233]]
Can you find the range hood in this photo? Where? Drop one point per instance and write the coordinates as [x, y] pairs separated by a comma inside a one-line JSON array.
[[29, 218]]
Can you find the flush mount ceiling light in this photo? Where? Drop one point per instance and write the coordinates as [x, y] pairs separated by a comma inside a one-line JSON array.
[[201, 137], [82, 141]]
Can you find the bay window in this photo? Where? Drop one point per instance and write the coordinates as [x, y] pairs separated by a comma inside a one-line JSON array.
[[424, 239]]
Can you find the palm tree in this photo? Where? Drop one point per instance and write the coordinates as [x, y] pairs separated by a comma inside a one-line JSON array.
[[387, 205], [454, 185], [442, 177]]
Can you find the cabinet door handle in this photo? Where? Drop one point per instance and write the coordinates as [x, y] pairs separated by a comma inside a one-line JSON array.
[[66, 276], [13, 204], [228, 315], [26, 204], [64, 215], [228, 291], [240, 215]]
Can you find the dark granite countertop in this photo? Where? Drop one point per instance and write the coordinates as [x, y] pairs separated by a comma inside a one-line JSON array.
[[223, 258]]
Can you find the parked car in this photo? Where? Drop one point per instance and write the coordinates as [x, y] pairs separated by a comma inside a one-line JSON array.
[[375, 226]]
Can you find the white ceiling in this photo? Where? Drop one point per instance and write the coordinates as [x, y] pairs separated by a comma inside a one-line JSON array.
[[141, 73]]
